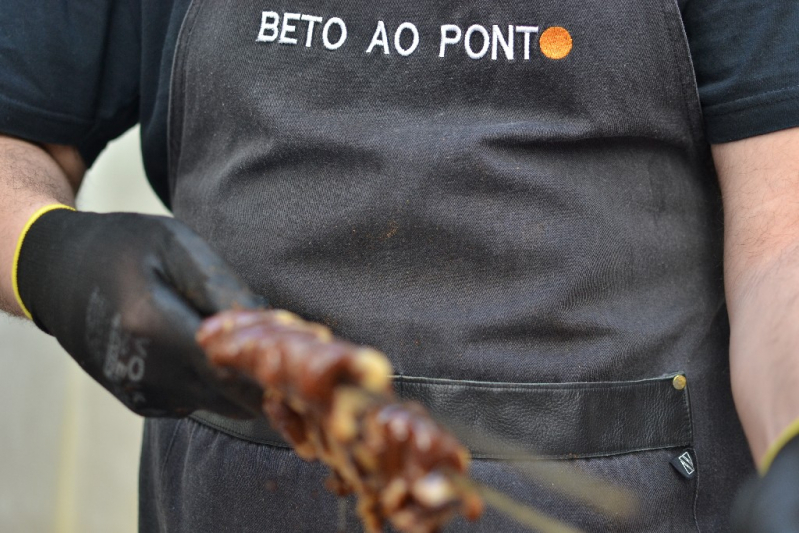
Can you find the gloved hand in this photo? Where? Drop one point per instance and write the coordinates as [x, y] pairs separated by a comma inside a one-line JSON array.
[[124, 294], [771, 504]]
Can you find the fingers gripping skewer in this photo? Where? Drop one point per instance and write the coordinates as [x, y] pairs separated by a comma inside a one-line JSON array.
[[333, 401]]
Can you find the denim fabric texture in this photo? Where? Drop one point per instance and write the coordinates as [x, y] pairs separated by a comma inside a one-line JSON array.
[[491, 220], [197, 479]]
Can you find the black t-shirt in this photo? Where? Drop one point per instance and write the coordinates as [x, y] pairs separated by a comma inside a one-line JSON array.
[[82, 73]]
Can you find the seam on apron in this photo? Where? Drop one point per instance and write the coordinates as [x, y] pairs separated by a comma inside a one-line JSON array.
[[670, 426]]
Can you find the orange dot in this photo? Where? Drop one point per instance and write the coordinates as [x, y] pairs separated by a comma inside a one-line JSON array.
[[555, 42]]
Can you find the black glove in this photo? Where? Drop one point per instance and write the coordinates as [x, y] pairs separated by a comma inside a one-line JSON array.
[[771, 504], [124, 294]]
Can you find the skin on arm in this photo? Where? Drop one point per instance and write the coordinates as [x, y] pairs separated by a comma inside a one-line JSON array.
[[31, 176], [759, 180], [155, 282]]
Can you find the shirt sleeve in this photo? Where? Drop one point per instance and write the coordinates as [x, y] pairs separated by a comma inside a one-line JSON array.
[[69, 71], [746, 58]]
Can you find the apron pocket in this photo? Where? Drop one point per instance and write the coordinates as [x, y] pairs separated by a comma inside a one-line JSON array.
[[664, 499], [635, 435], [630, 434], [558, 420]]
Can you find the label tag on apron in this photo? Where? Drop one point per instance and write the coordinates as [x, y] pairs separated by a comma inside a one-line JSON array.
[[685, 464]]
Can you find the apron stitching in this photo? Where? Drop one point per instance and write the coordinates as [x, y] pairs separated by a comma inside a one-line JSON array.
[[689, 97], [178, 81], [169, 447]]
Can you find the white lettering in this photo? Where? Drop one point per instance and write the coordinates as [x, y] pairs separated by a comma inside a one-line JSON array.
[[450, 34], [288, 28], [326, 34], [380, 38], [135, 369], [398, 38], [687, 463], [285, 28], [311, 20], [499, 39], [266, 25], [526, 30], [467, 41]]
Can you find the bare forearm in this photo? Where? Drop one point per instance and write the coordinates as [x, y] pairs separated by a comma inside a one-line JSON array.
[[30, 177], [760, 183], [764, 350]]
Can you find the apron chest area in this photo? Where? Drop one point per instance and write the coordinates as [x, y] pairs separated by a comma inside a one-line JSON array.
[[603, 68], [488, 180]]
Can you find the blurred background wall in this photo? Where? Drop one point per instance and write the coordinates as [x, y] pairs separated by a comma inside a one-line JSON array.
[[69, 452]]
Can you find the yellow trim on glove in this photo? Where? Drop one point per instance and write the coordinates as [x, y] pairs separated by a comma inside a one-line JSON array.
[[36, 216], [775, 448]]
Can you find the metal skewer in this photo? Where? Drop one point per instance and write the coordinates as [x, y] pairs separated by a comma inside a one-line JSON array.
[[570, 482], [603, 496], [522, 513]]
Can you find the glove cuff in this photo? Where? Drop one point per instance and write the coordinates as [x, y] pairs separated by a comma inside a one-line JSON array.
[[791, 432], [15, 266]]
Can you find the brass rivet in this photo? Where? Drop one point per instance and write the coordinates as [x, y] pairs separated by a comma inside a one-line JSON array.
[[679, 382]]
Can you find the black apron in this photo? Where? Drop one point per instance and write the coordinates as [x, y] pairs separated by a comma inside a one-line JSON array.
[[514, 200]]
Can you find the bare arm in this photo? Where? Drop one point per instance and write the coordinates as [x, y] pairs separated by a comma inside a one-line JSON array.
[[31, 176], [760, 185], [90, 279]]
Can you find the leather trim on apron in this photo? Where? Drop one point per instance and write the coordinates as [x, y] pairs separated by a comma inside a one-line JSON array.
[[506, 420]]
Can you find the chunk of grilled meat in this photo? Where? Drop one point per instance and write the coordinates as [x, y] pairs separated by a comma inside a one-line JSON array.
[[333, 401]]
